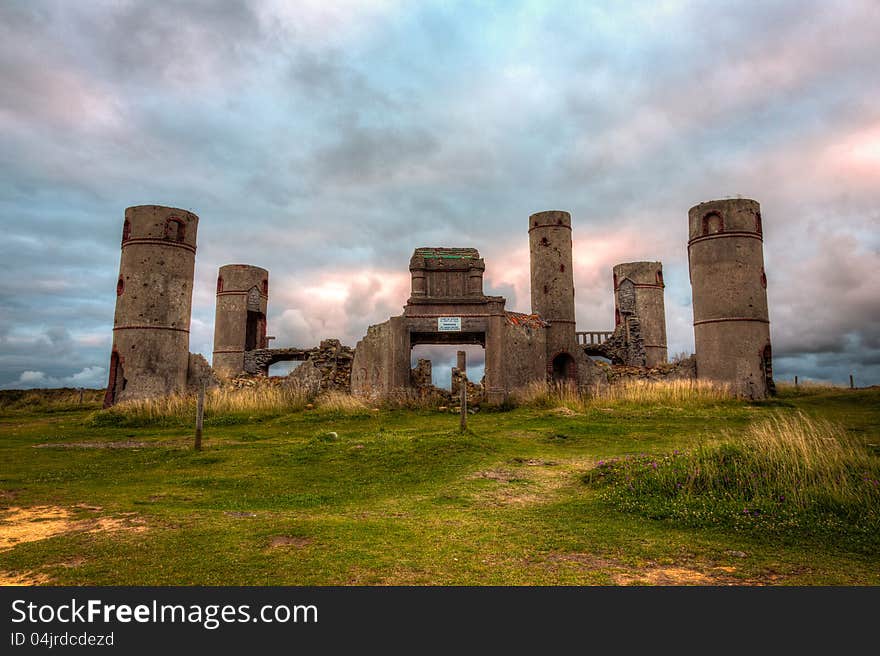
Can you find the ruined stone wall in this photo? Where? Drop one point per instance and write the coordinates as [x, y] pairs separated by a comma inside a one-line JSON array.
[[685, 369], [625, 346], [524, 343], [731, 320], [422, 375], [200, 374], [242, 302], [382, 360], [150, 353], [328, 368], [638, 291]]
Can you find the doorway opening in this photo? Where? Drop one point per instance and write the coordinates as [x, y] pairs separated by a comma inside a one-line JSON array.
[[563, 368], [444, 357], [255, 333]]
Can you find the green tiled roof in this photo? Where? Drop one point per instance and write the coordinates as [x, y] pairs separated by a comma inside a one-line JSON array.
[[447, 253]]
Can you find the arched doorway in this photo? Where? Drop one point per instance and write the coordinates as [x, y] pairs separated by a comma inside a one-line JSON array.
[[564, 368]]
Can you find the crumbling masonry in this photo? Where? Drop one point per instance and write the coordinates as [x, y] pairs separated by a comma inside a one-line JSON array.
[[150, 355]]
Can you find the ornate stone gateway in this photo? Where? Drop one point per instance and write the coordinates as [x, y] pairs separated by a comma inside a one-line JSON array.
[[447, 306]]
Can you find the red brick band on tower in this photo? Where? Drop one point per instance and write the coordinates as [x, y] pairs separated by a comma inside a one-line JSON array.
[[150, 354], [731, 319]]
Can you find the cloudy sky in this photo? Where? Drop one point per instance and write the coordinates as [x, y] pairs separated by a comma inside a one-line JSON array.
[[326, 140]]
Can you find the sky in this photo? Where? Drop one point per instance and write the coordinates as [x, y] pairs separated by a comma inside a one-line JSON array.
[[325, 141]]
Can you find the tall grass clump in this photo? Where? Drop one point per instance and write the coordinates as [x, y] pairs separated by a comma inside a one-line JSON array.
[[681, 392], [341, 403], [222, 405], [675, 393], [787, 475]]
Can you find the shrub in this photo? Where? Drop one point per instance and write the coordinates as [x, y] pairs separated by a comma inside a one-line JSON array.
[[786, 474]]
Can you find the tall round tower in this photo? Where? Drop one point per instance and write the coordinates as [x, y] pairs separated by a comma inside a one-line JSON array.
[[553, 288], [150, 353], [731, 321], [240, 322], [638, 291]]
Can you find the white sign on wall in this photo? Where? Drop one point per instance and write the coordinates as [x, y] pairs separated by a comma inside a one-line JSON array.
[[449, 324]]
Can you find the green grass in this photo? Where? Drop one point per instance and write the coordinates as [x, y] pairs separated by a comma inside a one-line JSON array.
[[401, 497], [788, 476]]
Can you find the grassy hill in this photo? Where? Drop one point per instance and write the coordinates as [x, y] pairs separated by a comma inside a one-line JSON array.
[[553, 492]]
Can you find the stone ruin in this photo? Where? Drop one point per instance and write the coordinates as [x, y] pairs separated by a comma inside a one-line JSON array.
[[150, 354]]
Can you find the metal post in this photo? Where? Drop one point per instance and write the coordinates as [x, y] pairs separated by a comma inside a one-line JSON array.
[[795, 381], [852, 383], [200, 415], [462, 388]]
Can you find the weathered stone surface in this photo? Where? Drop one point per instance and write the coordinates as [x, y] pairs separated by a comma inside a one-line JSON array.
[[258, 361], [679, 370], [625, 346], [327, 367], [240, 318], [422, 374], [638, 292], [306, 377], [731, 320], [150, 353], [200, 373]]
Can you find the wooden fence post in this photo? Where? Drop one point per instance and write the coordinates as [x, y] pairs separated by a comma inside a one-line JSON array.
[[462, 388]]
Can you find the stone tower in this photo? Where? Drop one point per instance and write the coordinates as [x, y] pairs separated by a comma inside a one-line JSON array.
[[638, 291], [150, 354], [553, 290], [731, 322], [240, 322]]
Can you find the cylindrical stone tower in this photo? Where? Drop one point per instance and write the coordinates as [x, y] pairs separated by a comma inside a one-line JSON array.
[[553, 288], [731, 322], [240, 322], [638, 291], [150, 353]]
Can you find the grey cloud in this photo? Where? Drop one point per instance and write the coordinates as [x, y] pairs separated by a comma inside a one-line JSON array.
[[312, 159]]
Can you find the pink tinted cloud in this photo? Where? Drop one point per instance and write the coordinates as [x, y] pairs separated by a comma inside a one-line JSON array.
[[594, 253], [339, 303]]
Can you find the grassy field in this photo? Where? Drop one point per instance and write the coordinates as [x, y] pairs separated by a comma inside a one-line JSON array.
[[342, 494]]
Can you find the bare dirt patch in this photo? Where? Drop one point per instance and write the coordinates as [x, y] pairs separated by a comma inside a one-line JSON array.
[[20, 525], [503, 475], [526, 481], [288, 541], [624, 574], [125, 444], [562, 411], [23, 578], [669, 576]]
